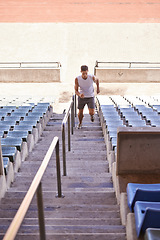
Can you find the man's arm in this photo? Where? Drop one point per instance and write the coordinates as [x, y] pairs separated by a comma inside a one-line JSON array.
[[81, 95], [96, 80]]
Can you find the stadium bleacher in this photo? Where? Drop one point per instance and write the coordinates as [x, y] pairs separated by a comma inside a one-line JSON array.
[[21, 124], [138, 189]]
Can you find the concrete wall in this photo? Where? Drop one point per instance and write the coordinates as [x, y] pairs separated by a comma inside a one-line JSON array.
[[130, 75], [138, 150], [74, 44], [30, 75]]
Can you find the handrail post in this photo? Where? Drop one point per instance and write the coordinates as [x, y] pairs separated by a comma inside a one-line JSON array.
[[72, 117], [41, 212], [75, 105], [58, 171], [64, 149], [72, 110], [69, 132], [1, 160]]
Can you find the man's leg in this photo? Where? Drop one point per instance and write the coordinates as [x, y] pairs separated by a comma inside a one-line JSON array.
[[81, 104], [80, 117], [91, 107], [91, 112]]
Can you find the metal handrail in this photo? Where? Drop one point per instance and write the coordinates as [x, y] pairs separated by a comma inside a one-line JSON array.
[[36, 187], [69, 114], [20, 64], [1, 161], [129, 63]]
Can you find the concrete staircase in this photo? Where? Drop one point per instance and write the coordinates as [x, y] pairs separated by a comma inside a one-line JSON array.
[[89, 209]]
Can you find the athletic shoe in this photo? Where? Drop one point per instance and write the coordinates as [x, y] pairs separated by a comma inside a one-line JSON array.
[[92, 118], [79, 126]]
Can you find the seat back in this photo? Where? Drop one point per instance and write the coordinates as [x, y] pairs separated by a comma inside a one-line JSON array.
[[138, 150]]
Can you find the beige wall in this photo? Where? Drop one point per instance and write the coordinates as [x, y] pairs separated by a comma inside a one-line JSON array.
[[129, 75], [74, 44], [30, 75]]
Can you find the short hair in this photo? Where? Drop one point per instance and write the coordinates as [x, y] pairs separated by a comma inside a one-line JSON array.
[[84, 68]]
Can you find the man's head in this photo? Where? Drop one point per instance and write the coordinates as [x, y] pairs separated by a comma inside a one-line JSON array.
[[84, 71]]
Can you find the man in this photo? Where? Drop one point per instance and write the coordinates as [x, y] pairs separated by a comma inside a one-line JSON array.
[[85, 90]]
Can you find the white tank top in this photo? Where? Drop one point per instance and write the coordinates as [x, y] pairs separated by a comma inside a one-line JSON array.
[[86, 86]]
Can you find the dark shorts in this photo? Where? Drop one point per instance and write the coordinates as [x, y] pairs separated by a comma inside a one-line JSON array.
[[83, 101]]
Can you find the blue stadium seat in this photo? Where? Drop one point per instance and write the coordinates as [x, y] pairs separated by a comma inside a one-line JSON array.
[[152, 234], [24, 127], [142, 192], [147, 215], [5, 128], [12, 142], [9, 152], [32, 123], [12, 118], [11, 123], [136, 123], [23, 134], [9, 108], [1, 133], [20, 114], [6, 164], [25, 108]]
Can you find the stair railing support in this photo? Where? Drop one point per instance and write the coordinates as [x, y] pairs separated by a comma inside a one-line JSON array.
[[68, 118], [41, 212]]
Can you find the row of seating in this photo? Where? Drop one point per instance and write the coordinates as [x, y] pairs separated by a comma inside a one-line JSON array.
[[119, 111], [137, 113], [20, 128], [144, 201]]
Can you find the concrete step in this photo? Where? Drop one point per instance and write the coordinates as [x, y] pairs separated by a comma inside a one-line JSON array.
[[100, 184], [76, 197], [81, 183], [73, 236], [68, 207], [67, 221], [51, 229], [88, 168], [60, 214]]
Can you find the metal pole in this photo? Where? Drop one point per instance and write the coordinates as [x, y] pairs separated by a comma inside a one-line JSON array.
[[1, 160], [41, 212], [58, 171], [75, 105], [72, 110], [69, 134], [64, 149], [72, 118]]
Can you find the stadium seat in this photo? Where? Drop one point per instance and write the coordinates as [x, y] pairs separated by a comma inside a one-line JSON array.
[[19, 114], [152, 234], [14, 156], [9, 152], [9, 109], [12, 118], [11, 123], [147, 215], [1, 133], [12, 142], [142, 192], [6, 164], [24, 127], [5, 128], [23, 134]]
